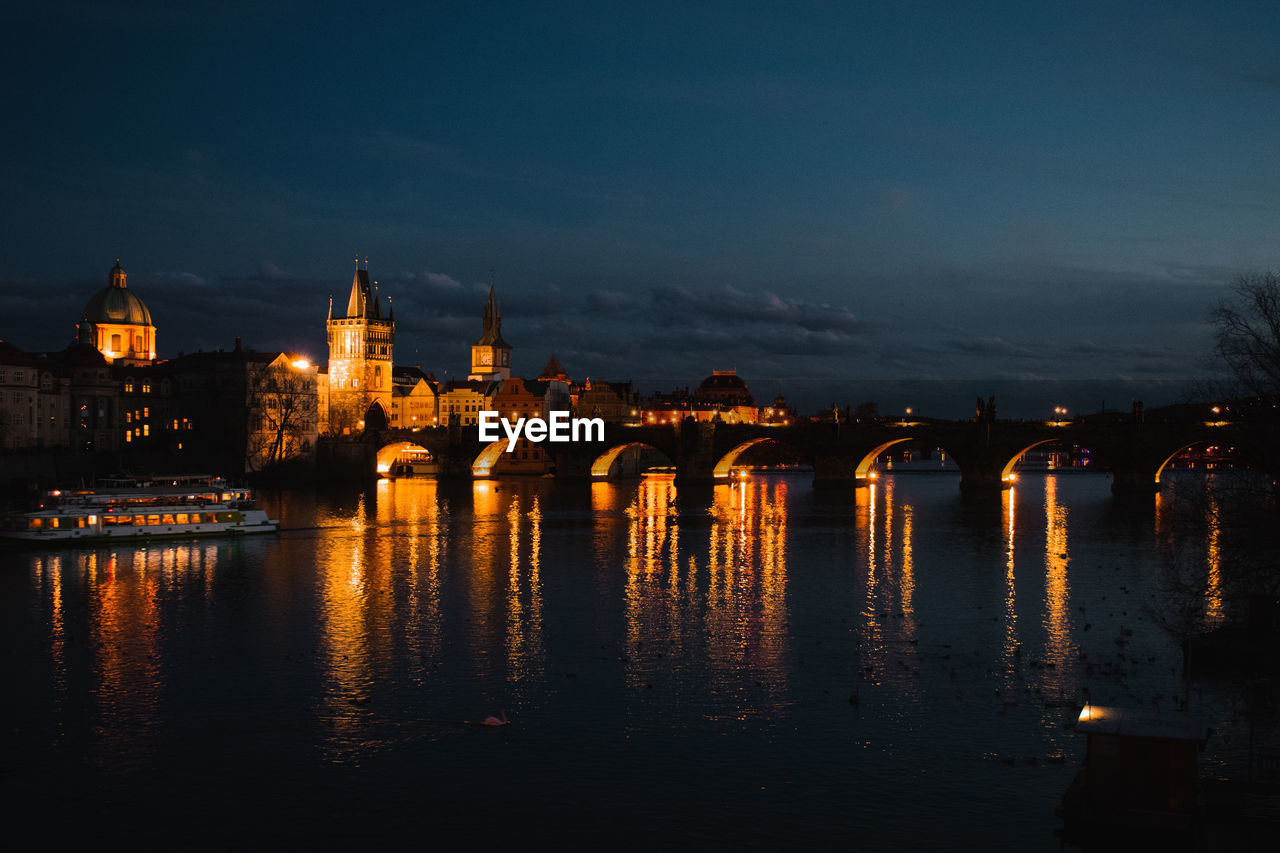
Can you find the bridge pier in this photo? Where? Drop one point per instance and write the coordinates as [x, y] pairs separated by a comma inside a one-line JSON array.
[[984, 472], [836, 472], [984, 482], [1133, 482]]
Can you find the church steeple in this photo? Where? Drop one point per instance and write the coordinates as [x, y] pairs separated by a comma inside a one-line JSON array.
[[117, 276], [358, 302], [491, 355], [492, 335]]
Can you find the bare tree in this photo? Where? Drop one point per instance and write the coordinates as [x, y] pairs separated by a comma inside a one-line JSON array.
[[282, 415], [1222, 543], [1247, 334], [1247, 344]]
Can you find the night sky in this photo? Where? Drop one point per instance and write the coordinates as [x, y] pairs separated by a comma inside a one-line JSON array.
[[810, 192]]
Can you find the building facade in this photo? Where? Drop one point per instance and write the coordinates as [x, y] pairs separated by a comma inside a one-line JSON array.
[[360, 366]]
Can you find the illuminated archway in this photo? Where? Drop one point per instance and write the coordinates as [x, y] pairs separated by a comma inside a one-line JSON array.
[[488, 458], [388, 455], [863, 470], [1006, 474], [725, 465], [1179, 452], [604, 462]]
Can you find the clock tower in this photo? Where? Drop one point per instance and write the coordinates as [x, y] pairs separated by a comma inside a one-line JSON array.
[[360, 344], [491, 355]]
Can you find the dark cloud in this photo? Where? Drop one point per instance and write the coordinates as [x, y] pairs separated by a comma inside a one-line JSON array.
[[609, 301]]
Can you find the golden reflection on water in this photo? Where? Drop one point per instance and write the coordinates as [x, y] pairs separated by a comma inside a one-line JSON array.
[[652, 588], [524, 644], [1056, 675], [888, 610], [344, 641], [1174, 519], [379, 582], [747, 585], [1008, 505], [124, 598], [1213, 612], [732, 612]]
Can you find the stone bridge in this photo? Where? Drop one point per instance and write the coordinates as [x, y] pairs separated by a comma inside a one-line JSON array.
[[1133, 450]]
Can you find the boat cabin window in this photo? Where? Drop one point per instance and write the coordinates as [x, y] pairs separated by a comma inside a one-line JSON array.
[[37, 523], [182, 518]]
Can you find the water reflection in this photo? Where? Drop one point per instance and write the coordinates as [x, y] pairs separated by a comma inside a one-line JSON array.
[[719, 629], [730, 611], [889, 586], [1213, 613], [747, 583], [1189, 531], [107, 615], [524, 644], [1057, 678], [1008, 506]]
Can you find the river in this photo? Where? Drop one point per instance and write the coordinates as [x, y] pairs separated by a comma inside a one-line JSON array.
[[753, 665]]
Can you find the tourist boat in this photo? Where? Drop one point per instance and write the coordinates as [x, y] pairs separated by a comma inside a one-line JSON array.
[[130, 510]]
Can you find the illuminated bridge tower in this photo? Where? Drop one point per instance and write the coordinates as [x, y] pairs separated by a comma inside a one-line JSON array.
[[491, 355], [360, 342]]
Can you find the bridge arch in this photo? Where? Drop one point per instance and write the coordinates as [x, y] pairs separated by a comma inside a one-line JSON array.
[[1175, 454], [863, 469], [1006, 473], [488, 458], [387, 455], [603, 463], [725, 466]]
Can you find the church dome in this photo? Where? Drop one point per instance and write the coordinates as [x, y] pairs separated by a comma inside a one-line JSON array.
[[116, 303], [724, 386], [724, 381]]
